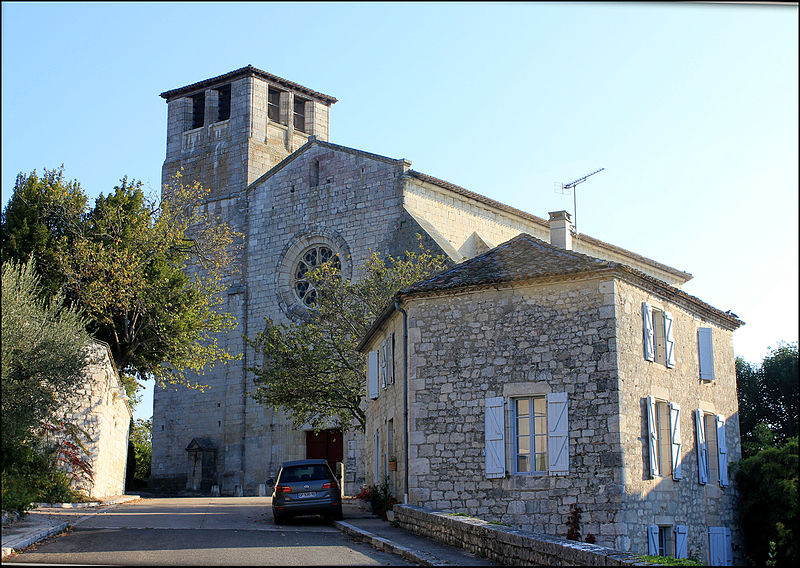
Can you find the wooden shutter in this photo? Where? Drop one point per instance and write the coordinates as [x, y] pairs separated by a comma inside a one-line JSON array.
[[702, 449], [647, 328], [681, 534], [384, 379], [705, 348], [716, 546], [495, 444], [722, 451], [372, 375], [728, 547], [675, 438], [390, 349], [652, 540], [557, 433], [669, 341], [652, 435]]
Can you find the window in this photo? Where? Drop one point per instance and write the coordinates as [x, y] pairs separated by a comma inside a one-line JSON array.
[[666, 540], [712, 453], [712, 448], [705, 351], [530, 434], [665, 545], [274, 105], [390, 437], [384, 365], [313, 176], [311, 258], [663, 426], [198, 110], [372, 374], [223, 103], [390, 355], [300, 114], [659, 344]]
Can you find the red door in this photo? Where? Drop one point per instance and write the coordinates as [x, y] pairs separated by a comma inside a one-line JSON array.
[[326, 445]]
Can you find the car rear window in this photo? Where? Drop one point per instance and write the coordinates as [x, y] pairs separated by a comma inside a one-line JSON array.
[[305, 473]]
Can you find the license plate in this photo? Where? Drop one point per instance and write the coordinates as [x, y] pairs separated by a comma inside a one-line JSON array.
[[306, 495]]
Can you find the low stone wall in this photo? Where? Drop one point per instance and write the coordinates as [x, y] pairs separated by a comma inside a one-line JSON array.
[[507, 545]]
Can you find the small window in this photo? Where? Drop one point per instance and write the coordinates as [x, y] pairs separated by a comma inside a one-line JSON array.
[[314, 174], [666, 544], [223, 103], [390, 437], [198, 110], [300, 114], [274, 105], [659, 336], [530, 434], [663, 445]]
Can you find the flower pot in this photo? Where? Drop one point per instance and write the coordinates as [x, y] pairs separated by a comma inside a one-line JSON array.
[[393, 465]]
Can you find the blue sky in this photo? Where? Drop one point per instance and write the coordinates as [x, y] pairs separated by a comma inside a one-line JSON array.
[[691, 108]]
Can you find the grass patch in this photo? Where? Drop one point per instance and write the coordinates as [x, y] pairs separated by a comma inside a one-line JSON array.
[[670, 561]]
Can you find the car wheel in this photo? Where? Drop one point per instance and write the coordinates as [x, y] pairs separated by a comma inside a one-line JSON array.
[[278, 518], [337, 514]]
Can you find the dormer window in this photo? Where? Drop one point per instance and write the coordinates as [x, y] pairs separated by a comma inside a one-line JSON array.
[[223, 103], [274, 105], [198, 110], [300, 114]]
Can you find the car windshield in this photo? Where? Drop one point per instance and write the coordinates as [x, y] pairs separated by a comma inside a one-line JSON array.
[[314, 472]]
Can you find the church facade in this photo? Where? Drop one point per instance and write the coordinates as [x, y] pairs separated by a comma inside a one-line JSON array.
[[261, 144]]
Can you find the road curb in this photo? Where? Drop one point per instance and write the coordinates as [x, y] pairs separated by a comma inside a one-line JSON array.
[[386, 545], [34, 538]]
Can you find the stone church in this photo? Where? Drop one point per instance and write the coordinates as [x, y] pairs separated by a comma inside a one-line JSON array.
[[261, 144]]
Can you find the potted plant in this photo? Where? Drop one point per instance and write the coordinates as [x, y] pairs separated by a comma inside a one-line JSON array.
[[393, 463]]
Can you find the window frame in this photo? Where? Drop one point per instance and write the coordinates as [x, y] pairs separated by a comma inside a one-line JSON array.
[[298, 117], [274, 108], [532, 435]]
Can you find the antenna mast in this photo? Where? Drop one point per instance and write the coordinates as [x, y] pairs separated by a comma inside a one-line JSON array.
[[573, 186]]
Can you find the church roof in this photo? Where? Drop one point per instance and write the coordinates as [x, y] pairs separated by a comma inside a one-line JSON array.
[[526, 258], [248, 72]]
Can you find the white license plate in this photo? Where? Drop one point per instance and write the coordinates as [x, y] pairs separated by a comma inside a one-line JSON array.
[[306, 495]]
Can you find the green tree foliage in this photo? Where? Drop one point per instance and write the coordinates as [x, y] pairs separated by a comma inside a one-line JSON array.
[[142, 441], [40, 219], [312, 369], [44, 354], [147, 273], [768, 483], [768, 399]]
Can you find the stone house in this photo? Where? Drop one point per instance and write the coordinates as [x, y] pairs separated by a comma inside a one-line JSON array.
[[260, 143], [102, 411], [533, 378]]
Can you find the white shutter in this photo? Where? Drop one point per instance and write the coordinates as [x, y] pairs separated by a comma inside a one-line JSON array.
[[675, 438], [716, 546], [495, 444], [390, 349], [557, 433], [705, 348], [372, 375], [652, 540], [652, 434], [722, 451], [647, 327], [384, 380], [669, 341], [681, 533], [702, 448]]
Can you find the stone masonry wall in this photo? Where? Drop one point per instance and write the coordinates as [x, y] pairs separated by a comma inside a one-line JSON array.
[[521, 341], [662, 500], [104, 414]]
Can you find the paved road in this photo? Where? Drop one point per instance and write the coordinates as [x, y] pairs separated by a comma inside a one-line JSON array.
[[201, 531]]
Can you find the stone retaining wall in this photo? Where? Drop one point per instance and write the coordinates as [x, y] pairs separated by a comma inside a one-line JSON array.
[[507, 545]]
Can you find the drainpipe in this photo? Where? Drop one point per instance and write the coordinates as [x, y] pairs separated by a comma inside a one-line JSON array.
[[405, 399]]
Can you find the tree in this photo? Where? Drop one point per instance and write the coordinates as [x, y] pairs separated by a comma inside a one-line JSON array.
[[149, 273], [142, 442], [312, 369], [768, 483], [44, 354], [41, 218], [768, 398]]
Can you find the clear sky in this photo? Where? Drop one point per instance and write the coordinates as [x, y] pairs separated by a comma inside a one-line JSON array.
[[691, 108]]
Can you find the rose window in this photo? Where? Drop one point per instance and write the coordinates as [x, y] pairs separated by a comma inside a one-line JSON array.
[[310, 259]]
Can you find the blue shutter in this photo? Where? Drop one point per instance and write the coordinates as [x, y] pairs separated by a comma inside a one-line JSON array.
[[557, 433], [705, 349], [722, 451], [702, 448], [384, 378], [675, 438], [495, 444], [372, 375], [652, 435], [681, 534], [390, 346], [647, 328], [652, 540], [728, 547], [669, 340], [716, 546]]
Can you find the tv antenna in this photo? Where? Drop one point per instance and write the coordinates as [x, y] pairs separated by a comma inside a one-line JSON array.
[[573, 186]]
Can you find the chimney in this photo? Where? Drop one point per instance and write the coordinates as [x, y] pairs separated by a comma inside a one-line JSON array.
[[561, 229]]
